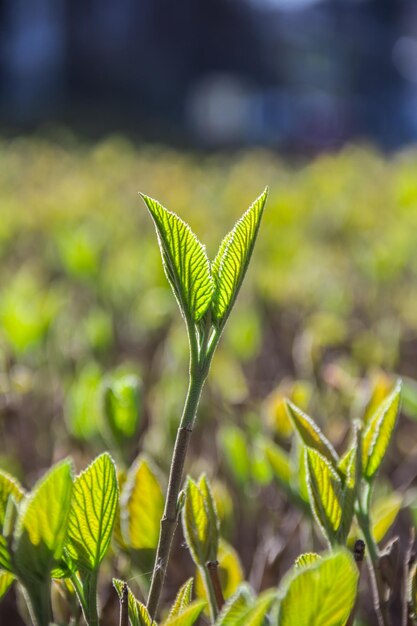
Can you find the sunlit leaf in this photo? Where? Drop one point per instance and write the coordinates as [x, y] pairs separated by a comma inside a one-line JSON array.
[[9, 486], [311, 434], [6, 579], [308, 558], [138, 613], [232, 260], [188, 616], [185, 261], [42, 523], [378, 431], [236, 607], [196, 523], [383, 514], [122, 405], [322, 594], [142, 505], [93, 513], [183, 599], [325, 492]]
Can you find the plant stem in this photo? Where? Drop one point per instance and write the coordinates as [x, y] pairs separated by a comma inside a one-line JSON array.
[[213, 570], [86, 589], [372, 551], [80, 593], [210, 591], [170, 516], [38, 598]]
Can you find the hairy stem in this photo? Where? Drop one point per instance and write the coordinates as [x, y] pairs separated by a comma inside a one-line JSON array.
[[213, 570], [170, 516], [89, 594], [378, 586], [210, 591], [38, 598]]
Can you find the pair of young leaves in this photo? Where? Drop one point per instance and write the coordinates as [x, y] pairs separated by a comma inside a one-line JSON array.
[[333, 483], [202, 287]]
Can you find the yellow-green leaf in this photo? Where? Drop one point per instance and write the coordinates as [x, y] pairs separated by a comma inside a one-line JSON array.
[[306, 559], [255, 616], [196, 523], [232, 260], [6, 579], [383, 514], [188, 616], [122, 405], [42, 524], [279, 461], [311, 434], [182, 599], [93, 513], [213, 518], [325, 492], [377, 434], [9, 486], [237, 606], [185, 261], [141, 506], [138, 613], [322, 594]]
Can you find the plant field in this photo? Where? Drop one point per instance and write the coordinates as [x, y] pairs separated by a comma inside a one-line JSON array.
[[95, 363]]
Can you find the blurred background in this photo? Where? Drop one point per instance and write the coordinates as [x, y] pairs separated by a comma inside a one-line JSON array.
[[201, 104], [299, 74]]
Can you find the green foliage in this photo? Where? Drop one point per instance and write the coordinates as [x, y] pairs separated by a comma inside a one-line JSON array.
[[182, 600], [142, 505], [306, 559], [232, 260], [378, 431], [122, 403], [92, 517], [185, 261], [311, 434], [321, 594], [41, 526], [200, 522], [138, 614]]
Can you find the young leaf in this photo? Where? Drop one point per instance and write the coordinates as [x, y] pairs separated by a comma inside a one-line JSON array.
[[200, 522], [306, 559], [311, 434], [185, 261], [232, 260], [237, 606], [182, 600], [138, 613], [325, 492], [42, 524], [257, 614], [142, 505], [122, 405], [188, 616], [280, 463], [213, 519], [322, 594], [196, 524], [92, 514], [6, 579], [378, 433], [9, 486], [383, 514]]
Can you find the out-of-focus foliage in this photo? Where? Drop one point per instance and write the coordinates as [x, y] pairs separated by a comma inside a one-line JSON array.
[[92, 348]]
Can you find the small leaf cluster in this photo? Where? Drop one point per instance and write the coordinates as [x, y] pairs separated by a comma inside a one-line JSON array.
[[61, 529]]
